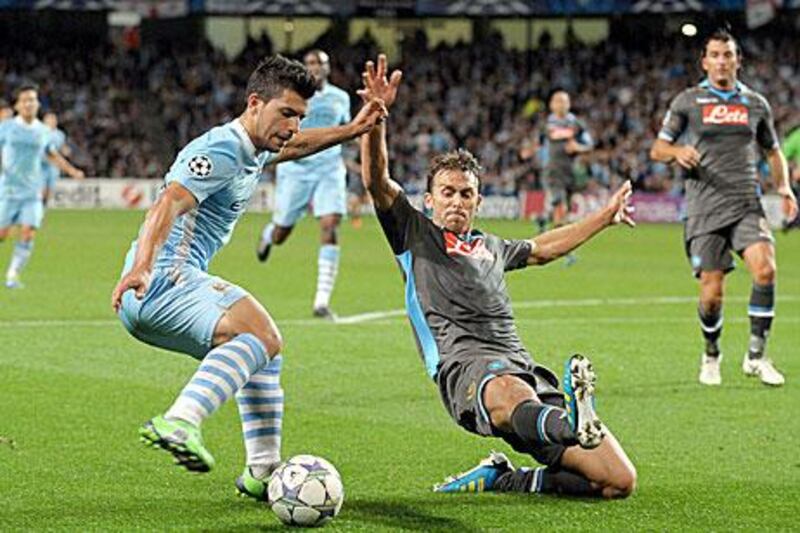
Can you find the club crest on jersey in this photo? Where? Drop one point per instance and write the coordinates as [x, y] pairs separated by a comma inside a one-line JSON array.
[[200, 166], [475, 247], [726, 114]]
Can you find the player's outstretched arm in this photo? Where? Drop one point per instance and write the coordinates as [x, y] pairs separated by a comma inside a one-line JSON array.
[[173, 202], [313, 140], [779, 169], [374, 152], [558, 242], [375, 169], [61, 162]]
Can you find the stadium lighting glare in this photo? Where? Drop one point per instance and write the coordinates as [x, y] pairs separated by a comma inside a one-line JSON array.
[[689, 29]]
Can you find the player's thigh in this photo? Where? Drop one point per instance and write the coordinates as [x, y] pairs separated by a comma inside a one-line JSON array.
[[753, 240], [607, 465], [330, 195], [292, 197], [180, 316], [249, 316], [709, 252]]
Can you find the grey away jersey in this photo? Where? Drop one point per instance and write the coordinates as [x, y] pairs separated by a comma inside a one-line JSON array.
[[455, 295], [558, 131], [726, 128]]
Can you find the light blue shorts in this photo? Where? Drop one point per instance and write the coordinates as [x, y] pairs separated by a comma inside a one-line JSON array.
[[293, 195], [180, 316], [50, 179], [23, 212]]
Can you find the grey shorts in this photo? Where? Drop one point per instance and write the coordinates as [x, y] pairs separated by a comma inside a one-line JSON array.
[[712, 251], [461, 385]]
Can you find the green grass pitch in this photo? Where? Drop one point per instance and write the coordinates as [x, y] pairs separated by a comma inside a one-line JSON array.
[[74, 387]]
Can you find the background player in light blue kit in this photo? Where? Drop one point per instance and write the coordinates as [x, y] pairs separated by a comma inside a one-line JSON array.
[[167, 298], [59, 141], [25, 142], [318, 180]]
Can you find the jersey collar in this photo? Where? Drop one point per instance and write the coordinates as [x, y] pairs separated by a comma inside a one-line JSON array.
[[725, 95], [249, 147]]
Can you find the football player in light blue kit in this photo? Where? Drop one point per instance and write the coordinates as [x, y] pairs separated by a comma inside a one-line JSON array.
[[59, 141], [25, 141], [318, 180], [167, 298]]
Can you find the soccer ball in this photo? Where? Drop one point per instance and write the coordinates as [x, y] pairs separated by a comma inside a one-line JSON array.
[[305, 491]]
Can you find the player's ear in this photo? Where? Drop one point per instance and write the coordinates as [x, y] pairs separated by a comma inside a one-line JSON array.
[[479, 202], [254, 101], [427, 199]]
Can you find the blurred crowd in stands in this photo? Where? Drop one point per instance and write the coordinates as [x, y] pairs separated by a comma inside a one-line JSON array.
[[127, 111]]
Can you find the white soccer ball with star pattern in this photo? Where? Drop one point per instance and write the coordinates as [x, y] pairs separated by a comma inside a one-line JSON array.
[[305, 491]]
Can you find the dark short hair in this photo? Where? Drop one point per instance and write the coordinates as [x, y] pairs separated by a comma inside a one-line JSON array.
[[276, 73], [720, 34], [459, 159], [27, 86]]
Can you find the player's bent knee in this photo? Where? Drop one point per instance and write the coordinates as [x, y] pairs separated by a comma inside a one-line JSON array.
[[765, 274], [621, 483], [272, 341]]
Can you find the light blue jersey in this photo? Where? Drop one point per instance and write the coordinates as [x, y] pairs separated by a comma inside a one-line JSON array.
[[50, 172], [221, 169], [23, 148], [184, 303], [330, 106]]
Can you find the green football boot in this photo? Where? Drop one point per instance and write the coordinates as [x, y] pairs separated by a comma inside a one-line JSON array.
[[181, 439], [248, 486]]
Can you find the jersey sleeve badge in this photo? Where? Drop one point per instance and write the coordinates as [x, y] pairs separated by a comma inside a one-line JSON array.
[[200, 166]]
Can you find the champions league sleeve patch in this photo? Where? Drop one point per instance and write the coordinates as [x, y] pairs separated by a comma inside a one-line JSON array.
[[200, 166]]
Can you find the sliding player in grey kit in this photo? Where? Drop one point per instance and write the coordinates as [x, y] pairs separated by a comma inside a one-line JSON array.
[[461, 315]]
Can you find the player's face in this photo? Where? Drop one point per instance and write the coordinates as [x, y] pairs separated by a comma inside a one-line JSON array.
[[278, 120], [559, 103], [454, 200], [51, 121], [28, 104], [721, 63], [316, 68]]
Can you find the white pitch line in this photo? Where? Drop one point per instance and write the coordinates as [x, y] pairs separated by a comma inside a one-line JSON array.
[[589, 302], [381, 316]]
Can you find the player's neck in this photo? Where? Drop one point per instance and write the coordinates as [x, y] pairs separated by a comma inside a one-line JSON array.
[[28, 120], [723, 85], [242, 119]]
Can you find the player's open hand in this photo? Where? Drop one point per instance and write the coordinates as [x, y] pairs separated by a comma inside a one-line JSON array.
[[371, 113], [789, 203], [77, 174], [137, 280], [619, 207], [687, 156], [376, 84]]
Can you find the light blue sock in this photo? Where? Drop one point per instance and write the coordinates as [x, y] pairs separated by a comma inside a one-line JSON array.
[[223, 371], [327, 268], [266, 233], [260, 404], [19, 258]]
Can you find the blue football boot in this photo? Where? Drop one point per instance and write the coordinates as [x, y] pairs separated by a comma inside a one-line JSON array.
[[478, 479]]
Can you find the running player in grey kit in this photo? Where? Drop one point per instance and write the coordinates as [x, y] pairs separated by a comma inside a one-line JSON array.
[[461, 315], [714, 130]]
